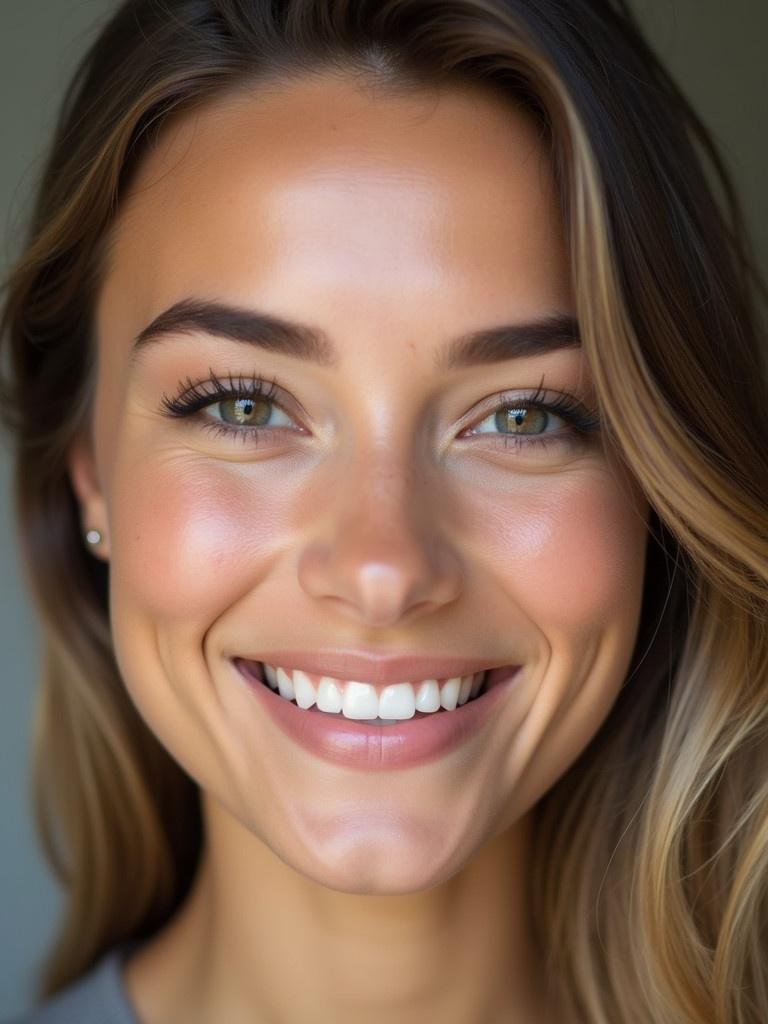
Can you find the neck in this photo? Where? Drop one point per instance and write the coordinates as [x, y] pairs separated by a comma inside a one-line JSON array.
[[256, 941]]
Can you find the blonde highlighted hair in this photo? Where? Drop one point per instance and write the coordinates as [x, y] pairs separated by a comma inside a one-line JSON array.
[[650, 883]]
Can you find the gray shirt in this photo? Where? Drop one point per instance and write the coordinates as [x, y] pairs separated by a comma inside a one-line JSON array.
[[98, 997]]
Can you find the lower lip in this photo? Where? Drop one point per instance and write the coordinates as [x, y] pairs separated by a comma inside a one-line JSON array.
[[354, 744]]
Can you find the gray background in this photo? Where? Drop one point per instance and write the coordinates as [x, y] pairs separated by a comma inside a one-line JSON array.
[[714, 50]]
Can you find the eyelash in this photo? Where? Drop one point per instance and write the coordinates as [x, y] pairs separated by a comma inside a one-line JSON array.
[[193, 397]]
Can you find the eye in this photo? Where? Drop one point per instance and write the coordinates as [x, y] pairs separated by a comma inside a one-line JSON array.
[[253, 411], [523, 422], [521, 419], [243, 408]]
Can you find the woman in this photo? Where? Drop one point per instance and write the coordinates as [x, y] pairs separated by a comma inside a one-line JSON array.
[[391, 436]]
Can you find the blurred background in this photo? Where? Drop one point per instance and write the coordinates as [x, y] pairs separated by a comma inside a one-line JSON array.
[[716, 53]]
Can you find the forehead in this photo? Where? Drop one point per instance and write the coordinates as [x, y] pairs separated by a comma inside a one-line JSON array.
[[347, 190]]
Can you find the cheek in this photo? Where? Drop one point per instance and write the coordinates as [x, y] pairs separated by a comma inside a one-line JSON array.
[[570, 557], [573, 555], [189, 539]]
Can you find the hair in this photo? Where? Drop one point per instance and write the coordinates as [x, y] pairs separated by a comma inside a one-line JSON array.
[[650, 872]]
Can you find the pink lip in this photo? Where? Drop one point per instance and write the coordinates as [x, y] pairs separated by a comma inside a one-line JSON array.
[[372, 668], [355, 744]]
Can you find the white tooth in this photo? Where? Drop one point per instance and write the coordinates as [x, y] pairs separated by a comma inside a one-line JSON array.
[[285, 683], [397, 701], [477, 683], [428, 696], [360, 701], [329, 695], [449, 693], [271, 675], [306, 694], [464, 689]]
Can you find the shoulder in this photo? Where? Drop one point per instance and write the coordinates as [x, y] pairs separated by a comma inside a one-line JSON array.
[[98, 997]]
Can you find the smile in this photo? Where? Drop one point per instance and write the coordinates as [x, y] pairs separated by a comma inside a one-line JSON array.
[[359, 725], [362, 701]]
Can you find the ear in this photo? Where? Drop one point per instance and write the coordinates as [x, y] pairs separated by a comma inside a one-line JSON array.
[[84, 478]]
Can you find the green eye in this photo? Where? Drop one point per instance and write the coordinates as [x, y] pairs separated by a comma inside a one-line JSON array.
[[521, 422], [245, 406], [245, 412], [518, 420]]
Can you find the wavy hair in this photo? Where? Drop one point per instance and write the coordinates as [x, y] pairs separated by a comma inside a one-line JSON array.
[[650, 880]]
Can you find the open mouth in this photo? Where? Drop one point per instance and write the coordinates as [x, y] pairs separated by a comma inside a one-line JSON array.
[[375, 706]]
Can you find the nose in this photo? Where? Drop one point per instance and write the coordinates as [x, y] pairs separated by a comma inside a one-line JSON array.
[[377, 552]]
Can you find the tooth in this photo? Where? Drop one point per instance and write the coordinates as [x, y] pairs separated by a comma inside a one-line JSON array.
[[271, 675], [397, 701], [329, 695], [464, 689], [360, 701], [428, 696], [449, 693], [285, 683], [304, 690]]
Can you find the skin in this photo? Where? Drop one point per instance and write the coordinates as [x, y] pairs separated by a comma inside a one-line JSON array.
[[324, 893]]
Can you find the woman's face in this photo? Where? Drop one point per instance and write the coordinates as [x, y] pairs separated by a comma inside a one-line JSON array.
[[380, 507]]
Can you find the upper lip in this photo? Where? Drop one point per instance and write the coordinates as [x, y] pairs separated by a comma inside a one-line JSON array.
[[374, 668]]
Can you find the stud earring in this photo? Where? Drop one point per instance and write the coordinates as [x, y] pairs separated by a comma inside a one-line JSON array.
[[93, 536]]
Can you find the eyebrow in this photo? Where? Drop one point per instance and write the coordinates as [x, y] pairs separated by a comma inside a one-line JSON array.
[[302, 341]]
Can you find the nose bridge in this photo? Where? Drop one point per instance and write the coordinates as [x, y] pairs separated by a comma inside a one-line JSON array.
[[378, 549]]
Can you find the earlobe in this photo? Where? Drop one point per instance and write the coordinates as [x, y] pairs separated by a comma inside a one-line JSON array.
[[83, 475]]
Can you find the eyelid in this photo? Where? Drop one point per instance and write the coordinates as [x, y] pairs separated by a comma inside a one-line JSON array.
[[563, 405], [193, 396]]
